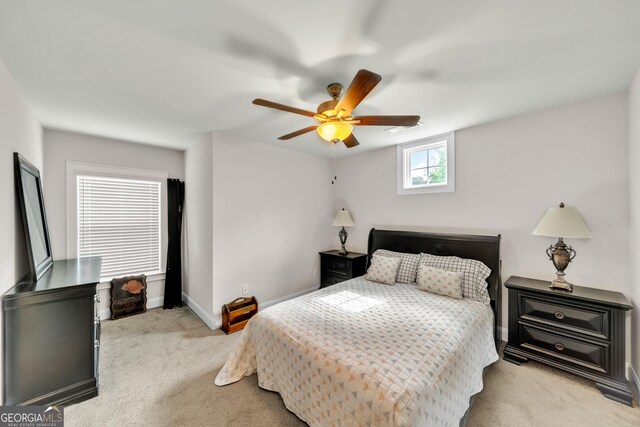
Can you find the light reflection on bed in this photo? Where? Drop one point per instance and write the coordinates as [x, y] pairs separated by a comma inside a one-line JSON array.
[[351, 301]]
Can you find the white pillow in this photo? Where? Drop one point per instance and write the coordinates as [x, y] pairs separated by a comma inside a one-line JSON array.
[[383, 269], [474, 285], [441, 282], [408, 265]]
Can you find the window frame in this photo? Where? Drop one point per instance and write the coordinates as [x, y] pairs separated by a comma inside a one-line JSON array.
[[75, 169], [404, 151]]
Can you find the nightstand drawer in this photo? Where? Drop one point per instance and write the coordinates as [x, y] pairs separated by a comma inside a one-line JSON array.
[[587, 355], [332, 280], [580, 319], [337, 266]]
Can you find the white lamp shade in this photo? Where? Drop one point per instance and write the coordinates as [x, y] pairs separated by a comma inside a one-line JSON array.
[[563, 222], [343, 219]]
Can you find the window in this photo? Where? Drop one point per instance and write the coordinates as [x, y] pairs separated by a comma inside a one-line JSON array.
[[426, 166], [118, 217]]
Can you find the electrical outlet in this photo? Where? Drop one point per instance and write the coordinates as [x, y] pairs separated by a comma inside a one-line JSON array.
[[315, 272], [245, 290]]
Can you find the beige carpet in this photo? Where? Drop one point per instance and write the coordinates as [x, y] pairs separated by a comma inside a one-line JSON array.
[[157, 369]]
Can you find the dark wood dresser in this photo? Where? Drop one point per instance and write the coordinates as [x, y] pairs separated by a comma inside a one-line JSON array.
[[335, 268], [52, 336], [582, 332]]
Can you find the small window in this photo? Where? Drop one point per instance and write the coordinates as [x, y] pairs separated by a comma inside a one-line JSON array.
[[426, 166]]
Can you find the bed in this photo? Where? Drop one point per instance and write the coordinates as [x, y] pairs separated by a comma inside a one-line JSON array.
[[364, 353]]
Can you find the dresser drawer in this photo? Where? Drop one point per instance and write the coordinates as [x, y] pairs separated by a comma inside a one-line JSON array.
[[336, 266], [590, 321], [585, 354]]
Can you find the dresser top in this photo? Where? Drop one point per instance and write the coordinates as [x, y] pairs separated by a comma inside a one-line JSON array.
[[62, 274], [580, 293]]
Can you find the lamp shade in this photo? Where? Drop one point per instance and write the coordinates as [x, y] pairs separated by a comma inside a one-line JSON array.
[[563, 222], [334, 131], [343, 219]]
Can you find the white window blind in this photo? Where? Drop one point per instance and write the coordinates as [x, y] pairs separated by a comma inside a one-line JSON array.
[[119, 220]]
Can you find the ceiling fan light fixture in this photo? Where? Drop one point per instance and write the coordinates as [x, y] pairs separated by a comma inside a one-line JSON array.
[[335, 117], [335, 131]]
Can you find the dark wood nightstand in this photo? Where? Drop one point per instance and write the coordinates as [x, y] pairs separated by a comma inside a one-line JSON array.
[[335, 268], [582, 332]]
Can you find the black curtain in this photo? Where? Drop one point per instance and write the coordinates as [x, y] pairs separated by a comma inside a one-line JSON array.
[[173, 277]]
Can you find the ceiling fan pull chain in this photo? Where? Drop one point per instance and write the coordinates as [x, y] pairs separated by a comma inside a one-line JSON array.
[[335, 166], [335, 162]]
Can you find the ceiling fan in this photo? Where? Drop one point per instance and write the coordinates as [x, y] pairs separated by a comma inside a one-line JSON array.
[[335, 116]]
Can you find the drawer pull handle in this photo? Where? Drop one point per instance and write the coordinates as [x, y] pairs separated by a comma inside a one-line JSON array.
[[559, 315], [559, 346]]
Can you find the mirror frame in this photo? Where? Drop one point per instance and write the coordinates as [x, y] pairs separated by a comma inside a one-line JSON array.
[[23, 167]]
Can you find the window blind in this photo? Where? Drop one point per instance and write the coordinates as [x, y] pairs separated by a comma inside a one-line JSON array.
[[119, 220]]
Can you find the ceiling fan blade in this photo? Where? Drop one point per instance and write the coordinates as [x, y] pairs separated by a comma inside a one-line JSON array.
[[387, 120], [351, 141], [298, 132], [282, 107], [362, 84]]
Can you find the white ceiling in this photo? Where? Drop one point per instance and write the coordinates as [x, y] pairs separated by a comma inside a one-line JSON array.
[[163, 72]]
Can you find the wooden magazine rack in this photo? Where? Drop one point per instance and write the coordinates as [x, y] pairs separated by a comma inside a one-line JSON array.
[[237, 313]]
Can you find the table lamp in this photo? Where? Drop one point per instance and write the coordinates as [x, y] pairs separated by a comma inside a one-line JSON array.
[[565, 222], [343, 219]]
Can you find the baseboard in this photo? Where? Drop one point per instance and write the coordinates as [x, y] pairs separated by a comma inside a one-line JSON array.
[[105, 313], [210, 321], [215, 322], [504, 334], [263, 305], [634, 380]]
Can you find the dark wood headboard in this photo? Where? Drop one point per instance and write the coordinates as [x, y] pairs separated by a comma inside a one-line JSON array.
[[482, 248]]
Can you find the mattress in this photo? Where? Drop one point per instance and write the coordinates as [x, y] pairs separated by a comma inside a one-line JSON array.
[[362, 353]]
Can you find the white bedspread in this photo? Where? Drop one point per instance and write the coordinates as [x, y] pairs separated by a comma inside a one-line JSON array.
[[361, 353]]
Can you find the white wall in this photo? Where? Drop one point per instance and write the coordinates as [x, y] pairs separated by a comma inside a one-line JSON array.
[[634, 193], [508, 174], [19, 132], [272, 213], [60, 147], [198, 230]]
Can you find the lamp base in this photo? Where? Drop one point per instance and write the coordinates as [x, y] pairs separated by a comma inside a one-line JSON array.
[[560, 283], [343, 251], [343, 239], [561, 255]]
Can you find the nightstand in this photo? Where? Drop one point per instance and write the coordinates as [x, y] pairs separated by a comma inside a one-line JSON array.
[[335, 268], [582, 332]]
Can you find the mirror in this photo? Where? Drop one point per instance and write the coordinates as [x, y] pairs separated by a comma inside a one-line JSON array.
[[34, 218]]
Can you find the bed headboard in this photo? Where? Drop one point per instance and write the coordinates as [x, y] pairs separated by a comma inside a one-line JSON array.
[[482, 248]]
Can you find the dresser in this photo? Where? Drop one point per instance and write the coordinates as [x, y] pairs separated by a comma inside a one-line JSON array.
[[335, 268], [582, 332], [52, 336]]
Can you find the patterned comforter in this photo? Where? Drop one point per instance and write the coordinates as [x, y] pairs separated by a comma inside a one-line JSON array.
[[362, 353]]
